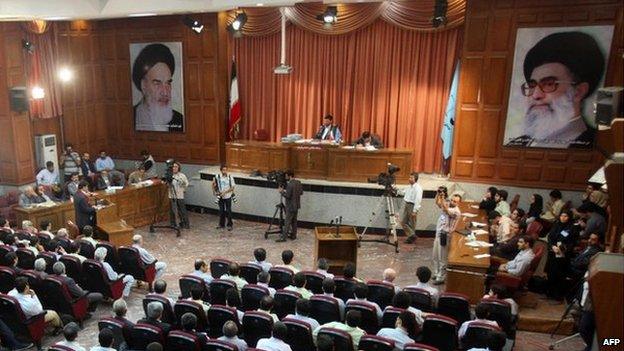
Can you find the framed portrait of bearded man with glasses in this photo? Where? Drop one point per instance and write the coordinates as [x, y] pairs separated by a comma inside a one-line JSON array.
[[556, 72]]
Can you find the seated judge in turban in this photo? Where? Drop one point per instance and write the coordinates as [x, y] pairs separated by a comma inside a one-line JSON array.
[[561, 70], [152, 73]]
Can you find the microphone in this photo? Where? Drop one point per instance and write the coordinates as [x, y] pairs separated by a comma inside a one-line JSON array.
[[331, 222], [340, 219]]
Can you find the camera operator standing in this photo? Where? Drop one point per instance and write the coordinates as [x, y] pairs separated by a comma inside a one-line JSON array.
[[445, 226], [179, 183], [223, 186], [413, 198], [292, 194]]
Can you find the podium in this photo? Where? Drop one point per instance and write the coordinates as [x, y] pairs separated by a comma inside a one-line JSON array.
[[116, 230], [338, 250], [606, 281]]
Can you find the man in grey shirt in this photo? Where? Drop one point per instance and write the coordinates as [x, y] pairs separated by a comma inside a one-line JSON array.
[[230, 334], [522, 261]]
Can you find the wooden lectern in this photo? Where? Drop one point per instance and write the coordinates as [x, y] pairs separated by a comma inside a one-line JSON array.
[[338, 250], [606, 279], [117, 231]]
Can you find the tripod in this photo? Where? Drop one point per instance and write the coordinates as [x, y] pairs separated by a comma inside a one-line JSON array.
[[279, 210], [387, 202], [575, 301], [170, 188]]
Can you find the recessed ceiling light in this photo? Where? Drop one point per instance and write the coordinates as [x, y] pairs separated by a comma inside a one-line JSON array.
[[259, 4], [146, 14], [57, 18]]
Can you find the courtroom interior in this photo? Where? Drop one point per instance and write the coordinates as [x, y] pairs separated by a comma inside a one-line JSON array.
[[232, 175]]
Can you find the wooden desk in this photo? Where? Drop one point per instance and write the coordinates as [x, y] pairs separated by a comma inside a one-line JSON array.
[[337, 250], [137, 206], [317, 161], [118, 233], [465, 272]]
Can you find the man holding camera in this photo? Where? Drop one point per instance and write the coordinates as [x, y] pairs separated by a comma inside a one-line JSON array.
[[179, 183], [292, 194], [413, 198], [447, 222], [223, 186]]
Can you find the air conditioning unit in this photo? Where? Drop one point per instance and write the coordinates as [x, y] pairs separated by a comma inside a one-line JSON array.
[[46, 150]]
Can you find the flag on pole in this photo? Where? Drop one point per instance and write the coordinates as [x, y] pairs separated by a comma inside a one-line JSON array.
[[449, 117], [235, 110]]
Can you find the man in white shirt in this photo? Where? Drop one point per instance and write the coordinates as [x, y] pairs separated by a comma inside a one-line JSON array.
[[30, 304], [413, 198], [87, 235], [48, 175], [128, 280], [287, 258], [233, 275], [263, 280], [482, 312], [179, 183], [400, 333], [322, 267], [424, 275], [447, 222], [223, 186], [501, 227], [230, 334], [361, 295], [202, 271], [329, 287], [146, 257], [276, 341], [160, 288], [197, 293], [260, 259], [298, 285], [105, 338], [502, 206], [70, 331], [389, 275], [522, 261], [351, 326], [302, 313]]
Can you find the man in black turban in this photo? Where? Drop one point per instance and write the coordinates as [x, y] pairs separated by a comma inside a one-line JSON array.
[[152, 73], [561, 70]]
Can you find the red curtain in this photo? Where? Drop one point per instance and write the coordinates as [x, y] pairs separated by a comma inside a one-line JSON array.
[[382, 78]]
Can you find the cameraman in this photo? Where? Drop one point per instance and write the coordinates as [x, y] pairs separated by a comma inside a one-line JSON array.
[[413, 199], [223, 185], [179, 183], [446, 225], [292, 194]]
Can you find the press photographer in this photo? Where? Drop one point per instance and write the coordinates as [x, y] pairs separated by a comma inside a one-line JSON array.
[[179, 183], [292, 195], [223, 186], [445, 226]]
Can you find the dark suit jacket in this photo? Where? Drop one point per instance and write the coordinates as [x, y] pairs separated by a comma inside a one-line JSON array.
[[85, 213], [319, 134], [127, 327], [580, 263], [375, 141], [73, 288], [292, 194], [101, 184], [165, 327], [86, 167]]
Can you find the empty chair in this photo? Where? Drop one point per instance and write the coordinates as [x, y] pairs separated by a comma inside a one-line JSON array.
[[130, 263], [500, 311], [179, 340], [188, 282], [54, 295], [375, 343], [314, 281], [256, 325], [73, 268], [390, 315], [249, 272], [217, 316], [168, 315], [218, 345], [32, 328], [419, 347], [440, 332], [299, 335], [380, 292], [324, 309], [86, 249], [7, 279], [218, 289], [370, 322], [96, 280], [344, 288], [421, 299], [281, 277], [25, 258], [342, 339], [285, 302], [117, 327], [478, 335], [143, 334], [455, 306], [50, 260], [111, 254], [185, 306], [219, 267], [251, 294]]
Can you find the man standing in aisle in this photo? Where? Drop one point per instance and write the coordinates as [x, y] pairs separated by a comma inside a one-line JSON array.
[[179, 183], [444, 228], [292, 194], [413, 199], [223, 186]]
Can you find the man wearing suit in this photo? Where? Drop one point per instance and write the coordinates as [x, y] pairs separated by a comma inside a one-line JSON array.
[[154, 313], [292, 194], [76, 291], [579, 264], [85, 213], [120, 308], [328, 131]]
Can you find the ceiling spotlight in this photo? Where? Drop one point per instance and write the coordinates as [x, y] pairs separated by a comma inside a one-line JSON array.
[[329, 17], [194, 24], [28, 46], [65, 74], [439, 13], [37, 93], [237, 25]]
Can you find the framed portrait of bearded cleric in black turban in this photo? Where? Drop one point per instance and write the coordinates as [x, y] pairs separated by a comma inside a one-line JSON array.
[[556, 72], [157, 89]]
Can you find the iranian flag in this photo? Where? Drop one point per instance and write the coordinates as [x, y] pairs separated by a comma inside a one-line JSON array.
[[235, 109]]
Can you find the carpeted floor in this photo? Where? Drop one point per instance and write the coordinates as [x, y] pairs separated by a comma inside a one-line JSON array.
[[204, 241]]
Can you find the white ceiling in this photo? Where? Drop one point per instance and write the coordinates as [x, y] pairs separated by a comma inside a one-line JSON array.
[[14, 10]]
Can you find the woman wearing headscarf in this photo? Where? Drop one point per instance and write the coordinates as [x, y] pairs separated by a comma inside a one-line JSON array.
[[561, 241]]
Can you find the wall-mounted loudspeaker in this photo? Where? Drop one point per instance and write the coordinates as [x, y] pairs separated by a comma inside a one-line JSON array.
[[608, 104], [18, 99]]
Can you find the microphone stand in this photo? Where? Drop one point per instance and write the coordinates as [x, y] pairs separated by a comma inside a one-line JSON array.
[[338, 221]]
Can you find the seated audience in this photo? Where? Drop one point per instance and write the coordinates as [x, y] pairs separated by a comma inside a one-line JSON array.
[[233, 275], [595, 195], [324, 343], [287, 258], [553, 207], [105, 163], [535, 208], [70, 332], [160, 288], [266, 306], [94, 298], [154, 313], [57, 249], [329, 287], [302, 313], [232, 299], [5, 226], [404, 300], [120, 308], [197, 294], [561, 241], [488, 203], [202, 271], [502, 206], [137, 176], [277, 341], [104, 181], [40, 267], [46, 228], [87, 235], [368, 140], [128, 280], [72, 184], [74, 250], [322, 267], [423, 273], [48, 175], [260, 259], [29, 227], [580, 263], [188, 323], [9, 339], [31, 197], [105, 338], [482, 312], [361, 295], [500, 227], [500, 292], [404, 327], [521, 263], [11, 259], [298, 285], [146, 257], [517, 215], [592, 222], [263, 280], [348, 272], [351, 326], [31, 305], [230, 334], [389, 275], [509, 249], [154, 346]]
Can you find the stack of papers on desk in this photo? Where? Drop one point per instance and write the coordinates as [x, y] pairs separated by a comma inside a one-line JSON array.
[[482, 256], [477, 224], [469, 215], [478, 243], [479, 232]]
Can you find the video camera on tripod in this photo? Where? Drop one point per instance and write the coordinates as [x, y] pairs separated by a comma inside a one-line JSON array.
[[278, 177], [168, 177], [387, 179]]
